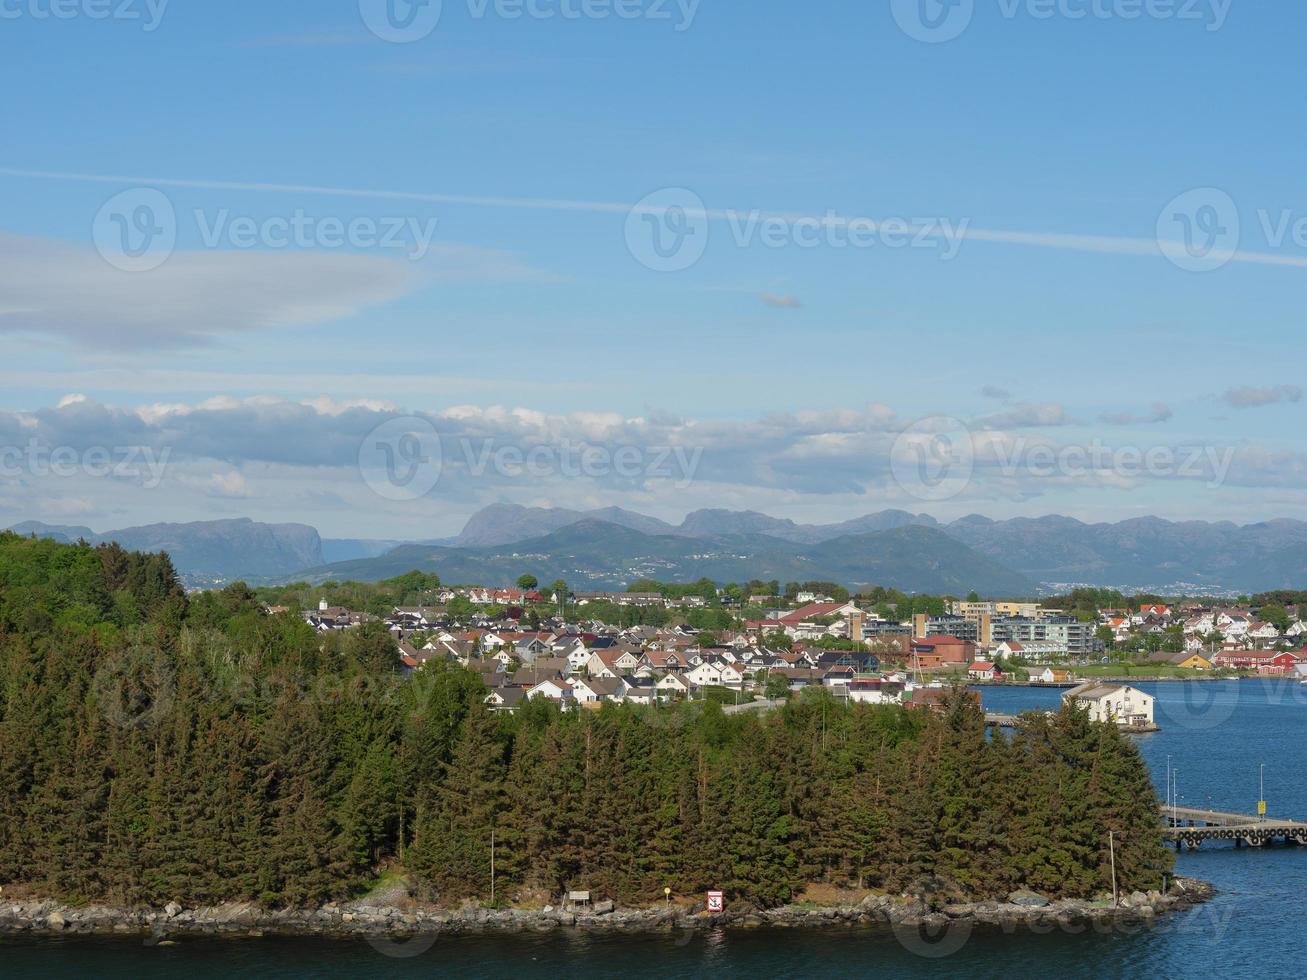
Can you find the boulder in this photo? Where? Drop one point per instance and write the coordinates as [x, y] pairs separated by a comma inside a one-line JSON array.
[[1027, 899], [56, 921], [172, 910], [604, 908]]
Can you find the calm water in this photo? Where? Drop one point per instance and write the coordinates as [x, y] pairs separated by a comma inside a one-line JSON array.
[[1216, 734]]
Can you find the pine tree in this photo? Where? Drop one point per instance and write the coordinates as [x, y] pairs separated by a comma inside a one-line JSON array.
[[452, 844]]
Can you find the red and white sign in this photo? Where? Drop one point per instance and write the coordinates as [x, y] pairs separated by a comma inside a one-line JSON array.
[[715, 902]]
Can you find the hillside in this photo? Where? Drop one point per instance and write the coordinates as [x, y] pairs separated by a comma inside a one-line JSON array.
[[597, 554], [205, 550]]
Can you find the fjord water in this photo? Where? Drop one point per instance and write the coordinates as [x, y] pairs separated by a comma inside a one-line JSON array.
[[1216, 733]]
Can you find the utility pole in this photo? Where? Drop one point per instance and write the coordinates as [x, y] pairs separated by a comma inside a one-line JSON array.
[[1111, 848]]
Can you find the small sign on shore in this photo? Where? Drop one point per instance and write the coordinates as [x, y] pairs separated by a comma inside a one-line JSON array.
[[716, 903]]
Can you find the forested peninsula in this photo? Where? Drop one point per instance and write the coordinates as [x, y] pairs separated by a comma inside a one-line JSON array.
[[157, 747]]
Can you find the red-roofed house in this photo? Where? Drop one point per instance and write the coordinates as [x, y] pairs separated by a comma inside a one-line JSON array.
[[983, 670]]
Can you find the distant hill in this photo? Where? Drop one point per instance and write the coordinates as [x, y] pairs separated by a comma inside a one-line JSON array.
[[506, 523], [1142, 553], [601, 555], [347, 549], [208, 550], [1146, 552], [606, 548]]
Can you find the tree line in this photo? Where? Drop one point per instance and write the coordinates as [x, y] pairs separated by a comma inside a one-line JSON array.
[[158, 747]]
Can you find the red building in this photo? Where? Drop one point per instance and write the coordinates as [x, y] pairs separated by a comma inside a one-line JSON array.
[[941, 652], [1262, 661]]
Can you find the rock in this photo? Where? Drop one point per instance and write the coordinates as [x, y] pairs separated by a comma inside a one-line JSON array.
[[234, 912], [172, 910], [56, 921], [1027, 899], [549, 908], [1136, 900], [604, 908]]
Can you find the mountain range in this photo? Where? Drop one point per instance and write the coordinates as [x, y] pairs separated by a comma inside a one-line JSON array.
[[611, 547], [208, 550]]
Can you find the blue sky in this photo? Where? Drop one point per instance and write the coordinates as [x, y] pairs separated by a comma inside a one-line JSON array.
[[1060, 140]]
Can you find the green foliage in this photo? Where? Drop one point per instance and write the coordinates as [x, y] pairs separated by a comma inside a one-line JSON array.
[[156, 749]]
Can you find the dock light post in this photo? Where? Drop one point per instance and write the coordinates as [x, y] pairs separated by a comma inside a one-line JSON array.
[[1261, 793]]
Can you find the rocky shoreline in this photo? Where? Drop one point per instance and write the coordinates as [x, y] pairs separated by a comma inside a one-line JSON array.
[[405, 920]]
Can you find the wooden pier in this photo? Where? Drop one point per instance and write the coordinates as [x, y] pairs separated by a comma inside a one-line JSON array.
[[1185, 825]]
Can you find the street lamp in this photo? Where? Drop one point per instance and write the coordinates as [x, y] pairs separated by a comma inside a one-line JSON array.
[[1261, 793]]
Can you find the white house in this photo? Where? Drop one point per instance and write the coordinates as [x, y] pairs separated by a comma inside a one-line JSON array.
[[1119, 704], [554, 690], [671, 685], [732, 675], [707, 673], [611, 663], [594, 689]]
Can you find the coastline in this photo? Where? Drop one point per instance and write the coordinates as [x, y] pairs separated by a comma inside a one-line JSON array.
[[407, 920]]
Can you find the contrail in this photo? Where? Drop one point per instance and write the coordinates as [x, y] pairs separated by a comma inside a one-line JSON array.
[[1103, 244]]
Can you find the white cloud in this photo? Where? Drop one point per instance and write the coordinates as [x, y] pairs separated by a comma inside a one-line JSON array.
[[1158, 413], [1257, 397], [1028, 416], [50, 288], [279, 459]]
